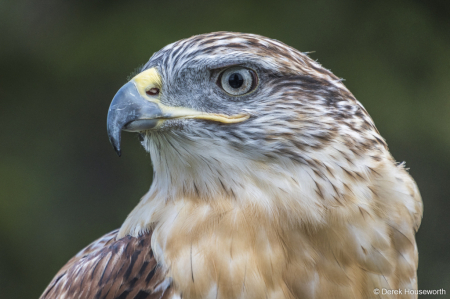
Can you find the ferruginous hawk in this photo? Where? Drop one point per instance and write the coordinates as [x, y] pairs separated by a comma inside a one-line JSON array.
[[270, 181]]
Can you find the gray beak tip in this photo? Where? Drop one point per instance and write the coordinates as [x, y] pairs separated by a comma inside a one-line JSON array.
[[115, 142], [118, 151]]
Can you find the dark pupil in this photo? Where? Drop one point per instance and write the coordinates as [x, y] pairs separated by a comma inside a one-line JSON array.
[[236, 80]]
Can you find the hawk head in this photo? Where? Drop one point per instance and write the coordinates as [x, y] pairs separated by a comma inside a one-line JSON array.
[[222, 109]]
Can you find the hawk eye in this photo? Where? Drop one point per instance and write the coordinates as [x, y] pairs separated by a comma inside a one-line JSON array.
[[237, 81]]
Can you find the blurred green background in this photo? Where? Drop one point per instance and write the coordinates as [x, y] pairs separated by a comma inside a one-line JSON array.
[[61, 62]]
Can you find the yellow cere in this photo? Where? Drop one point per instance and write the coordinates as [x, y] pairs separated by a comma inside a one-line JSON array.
[[146, 80]]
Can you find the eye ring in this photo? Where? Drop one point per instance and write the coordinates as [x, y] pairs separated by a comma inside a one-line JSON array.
[[237, 80]]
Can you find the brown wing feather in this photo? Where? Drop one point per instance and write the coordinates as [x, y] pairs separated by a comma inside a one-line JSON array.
[[110, 268]]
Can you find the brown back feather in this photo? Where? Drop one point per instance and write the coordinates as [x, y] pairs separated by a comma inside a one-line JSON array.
[[110, 268]]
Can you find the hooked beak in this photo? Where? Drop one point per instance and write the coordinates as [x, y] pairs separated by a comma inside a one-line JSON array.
[[129, 111], [133, 110]]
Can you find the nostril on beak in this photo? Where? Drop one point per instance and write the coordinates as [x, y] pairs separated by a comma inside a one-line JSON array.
[[153, 91]]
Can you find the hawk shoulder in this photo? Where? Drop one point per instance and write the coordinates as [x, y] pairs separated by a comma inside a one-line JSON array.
[[111, 268]]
